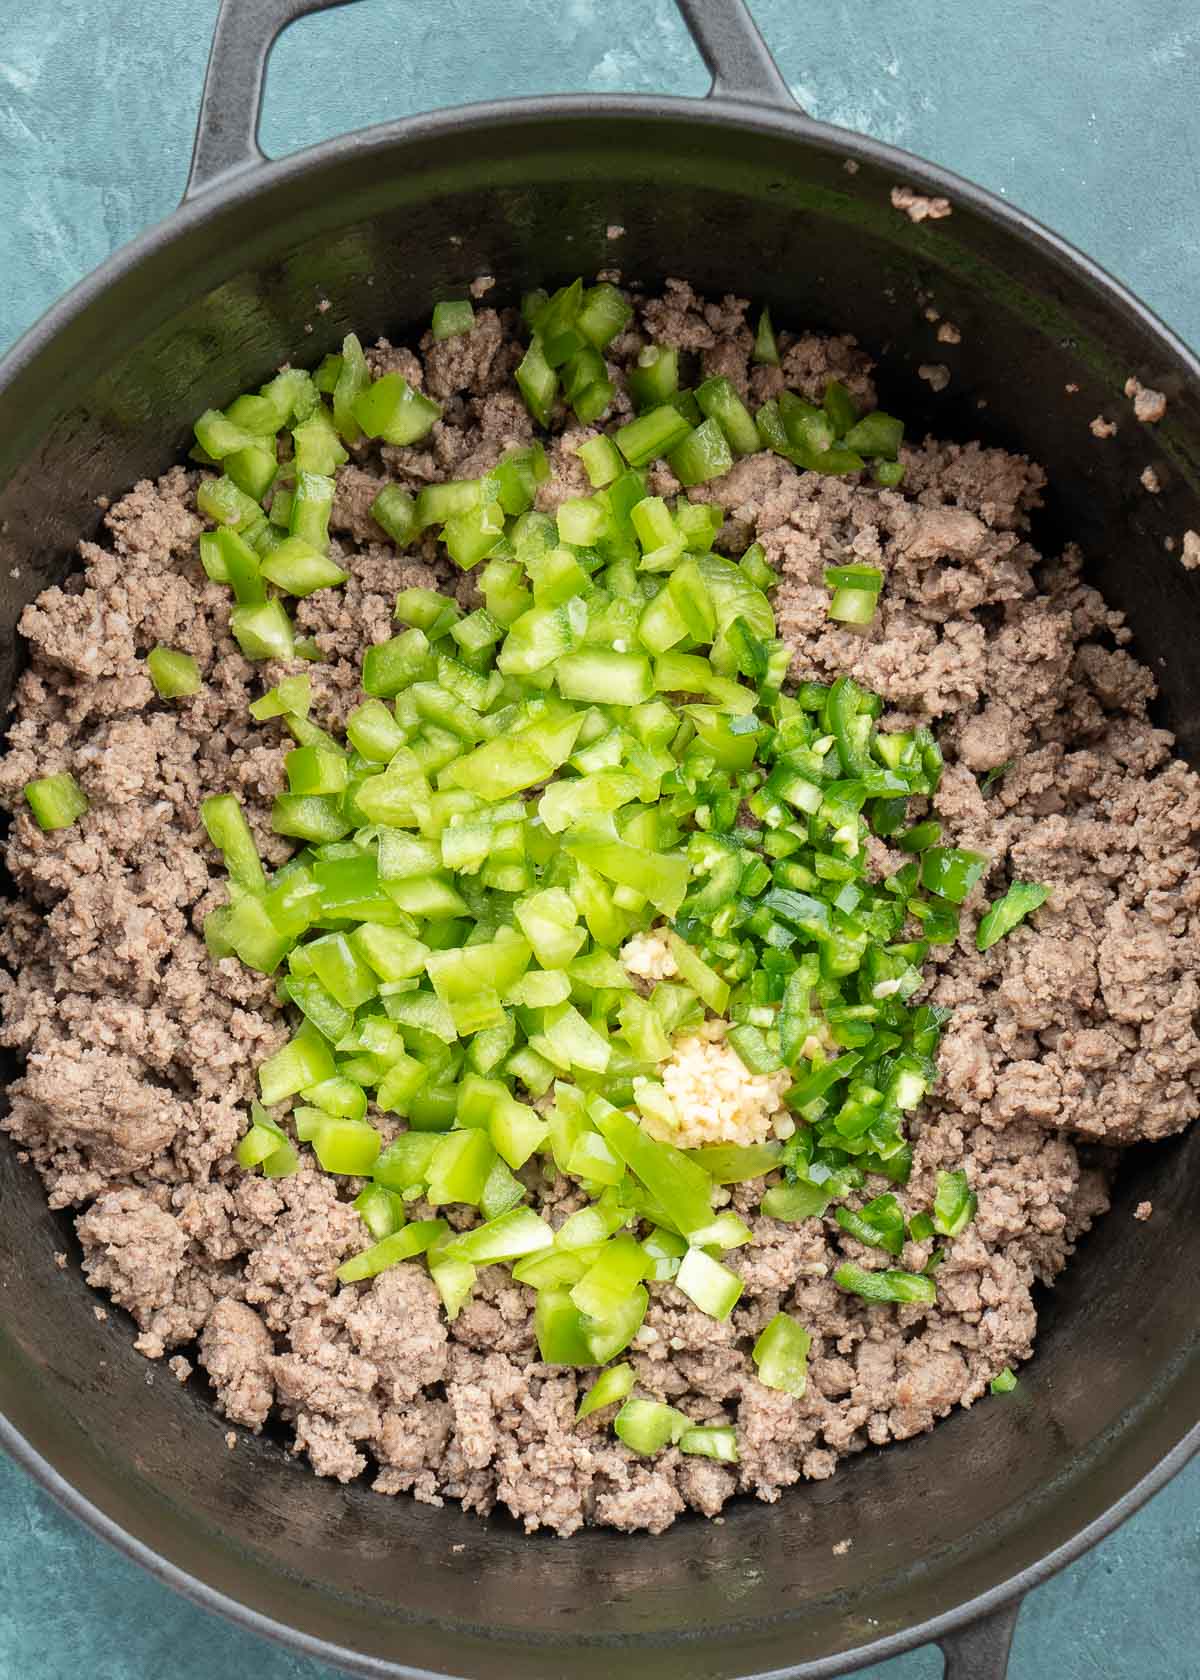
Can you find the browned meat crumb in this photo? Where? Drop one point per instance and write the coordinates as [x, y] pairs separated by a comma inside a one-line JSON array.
[[918, 208], [139, 1052], [948, 333], [180, 1367], [236, 1350], [230, 1439], [60, 1260], [1189, 556], [1102, 428], [1149, 481], [842, 1547], [482, 284], [935, 374], [614, 230], [99, 1314], [1071, 389], [1143, 1210], [1149, 405]]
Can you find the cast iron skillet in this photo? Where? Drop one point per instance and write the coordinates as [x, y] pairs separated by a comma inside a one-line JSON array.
[[744, 192]]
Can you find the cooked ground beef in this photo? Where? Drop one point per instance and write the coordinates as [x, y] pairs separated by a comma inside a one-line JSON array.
[[140, 1052]]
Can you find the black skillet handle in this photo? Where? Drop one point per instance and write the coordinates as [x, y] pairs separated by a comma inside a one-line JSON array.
[[731, 46], [246, 30], [231, 104], [980, 1650]]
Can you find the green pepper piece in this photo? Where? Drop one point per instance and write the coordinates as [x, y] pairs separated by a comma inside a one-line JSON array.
[[954, 1204], [395, 511], [308, 817], [262, 630], [600, 676], [708, 1284], [876, 434], [654, 433], [303, 1061], [900, 1287], [459, 1168], [647, 1426], [879, 1224], [781, 1355], [225, 823], [718, 1442], [299, 568], [610, 1281], [794, 1203], [353, 379], [609, 1387], [718, 399], [173, 674], [663, 879], [655, 377], [603, 314], [888, 474], [766, 351], [537, 381], [316, 770], [840, 406], [405, 1161], [683, 1189], [737, 1163], [453, 1279], [338, 1096], [391, 410], [452, 319], [58, 801], [1003, 914], [410, 1240], [703, 454], [513, 1236], [952, 872], [601, 460], [561, 1329], [346, 1146]]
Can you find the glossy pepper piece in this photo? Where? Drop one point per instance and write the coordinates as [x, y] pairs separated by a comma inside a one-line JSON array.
[[56, 801]]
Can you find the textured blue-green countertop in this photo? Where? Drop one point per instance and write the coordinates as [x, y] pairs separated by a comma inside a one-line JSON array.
[[1087, 117]]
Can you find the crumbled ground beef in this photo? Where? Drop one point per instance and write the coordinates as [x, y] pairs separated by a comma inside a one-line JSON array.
[[139, 1052], [917, 207], [1149, 405]]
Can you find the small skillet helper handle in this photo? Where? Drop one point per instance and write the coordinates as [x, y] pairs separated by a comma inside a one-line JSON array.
[[980, 1650], [231, 103], [246, 30], [731, 46]]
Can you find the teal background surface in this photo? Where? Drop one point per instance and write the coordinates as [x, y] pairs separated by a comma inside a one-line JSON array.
[[1089, 118]]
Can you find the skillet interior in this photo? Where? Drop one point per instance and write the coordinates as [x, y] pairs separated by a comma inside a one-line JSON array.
[[381, 226]]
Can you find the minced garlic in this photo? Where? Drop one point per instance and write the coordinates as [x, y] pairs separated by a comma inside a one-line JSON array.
[[715, 1097], [648, 956]]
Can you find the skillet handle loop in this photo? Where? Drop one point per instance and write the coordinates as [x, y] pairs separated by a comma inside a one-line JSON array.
[[231, 103], [735, 52], [980, 1650]]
